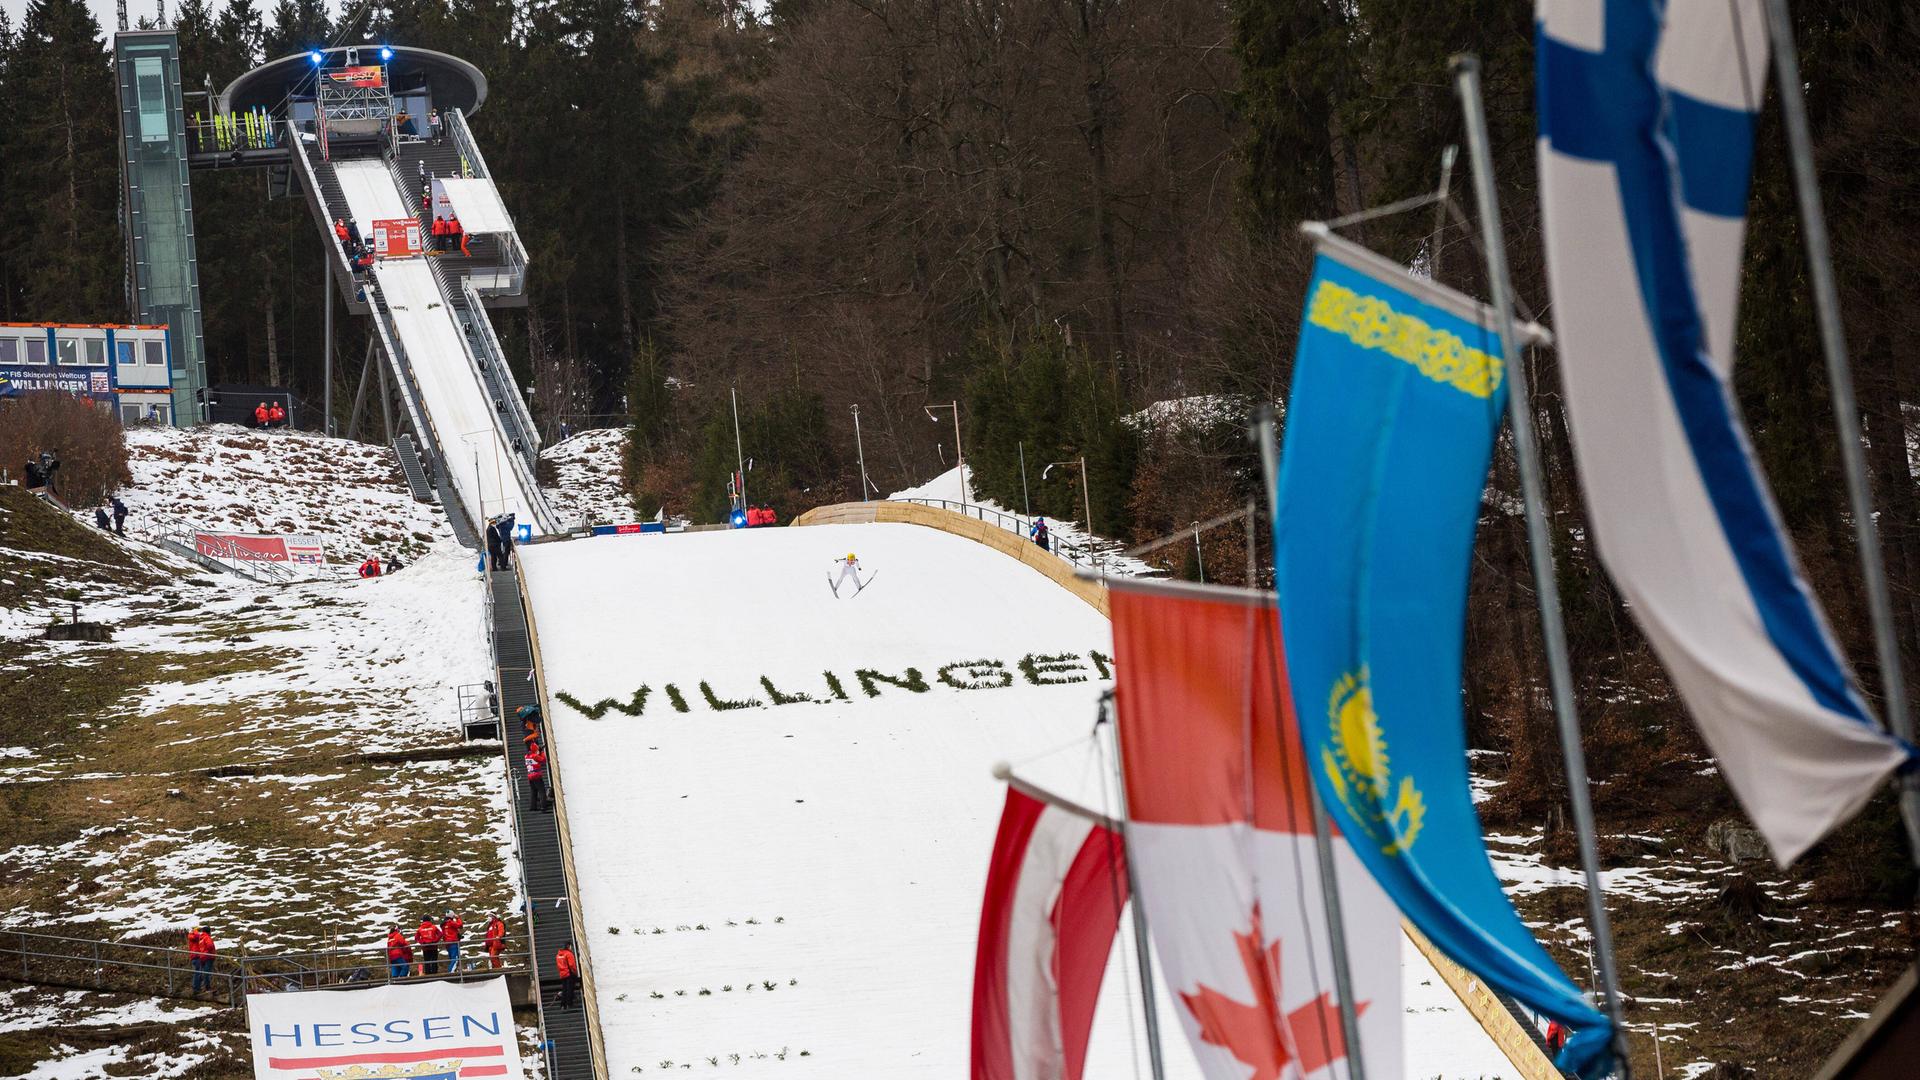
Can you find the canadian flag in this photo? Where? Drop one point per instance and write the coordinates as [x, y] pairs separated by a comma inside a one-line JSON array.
[[1054, 893], [1220, 833]]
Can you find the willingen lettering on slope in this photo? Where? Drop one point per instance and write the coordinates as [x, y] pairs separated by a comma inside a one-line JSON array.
[[1035, 669]]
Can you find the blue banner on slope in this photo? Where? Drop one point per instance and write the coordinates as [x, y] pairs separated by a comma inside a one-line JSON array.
[[1398, 391]]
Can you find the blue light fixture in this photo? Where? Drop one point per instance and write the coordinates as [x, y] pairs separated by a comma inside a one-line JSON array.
[[316, 56], [386, 53]]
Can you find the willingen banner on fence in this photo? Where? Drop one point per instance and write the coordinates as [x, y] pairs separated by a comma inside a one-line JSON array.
[[1646, 139], [1399, 388], [422, 1031]]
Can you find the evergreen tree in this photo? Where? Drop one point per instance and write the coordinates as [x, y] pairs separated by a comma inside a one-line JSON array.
[[63, 176]]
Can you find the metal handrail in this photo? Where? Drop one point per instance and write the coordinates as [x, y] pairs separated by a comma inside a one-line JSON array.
[[152, 967], [509, 389], [1020, 525]]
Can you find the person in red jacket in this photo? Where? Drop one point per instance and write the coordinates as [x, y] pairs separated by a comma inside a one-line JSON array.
[[427, 936], [200, 955], [450, 928], [568, 969], [260, 415], [439, 232], [1556, 1036], [370, 568], [399, 954], [537, 776], [340, 230], [496, 940], [276, 416]]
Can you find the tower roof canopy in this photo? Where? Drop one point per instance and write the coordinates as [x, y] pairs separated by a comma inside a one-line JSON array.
[[452, 82]]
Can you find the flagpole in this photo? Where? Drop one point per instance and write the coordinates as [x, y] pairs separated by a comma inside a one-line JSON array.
[[1149, 1008], [1846, 413], [1466, 72], [1322, 832]]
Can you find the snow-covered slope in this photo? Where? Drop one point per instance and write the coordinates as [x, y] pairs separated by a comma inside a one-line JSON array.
[[781, 803], [228, 478], [587, 478], [1069, 538]]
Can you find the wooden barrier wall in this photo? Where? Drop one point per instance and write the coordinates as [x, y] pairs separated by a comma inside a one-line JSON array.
[[1006, 541]]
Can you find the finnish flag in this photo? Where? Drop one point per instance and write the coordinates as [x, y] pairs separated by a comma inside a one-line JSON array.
[[1647, 112]]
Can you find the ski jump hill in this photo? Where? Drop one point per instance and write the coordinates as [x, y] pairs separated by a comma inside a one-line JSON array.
[[778, 805]]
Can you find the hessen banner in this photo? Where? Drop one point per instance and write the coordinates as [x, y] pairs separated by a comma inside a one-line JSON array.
[[421, 1031], [257, 547]]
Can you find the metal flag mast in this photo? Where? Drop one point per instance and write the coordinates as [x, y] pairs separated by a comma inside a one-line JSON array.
[[1466, 73], [1322, 831], [1846, 413]]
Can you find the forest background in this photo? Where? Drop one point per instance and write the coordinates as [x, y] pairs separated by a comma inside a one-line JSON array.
[[1058, 213]]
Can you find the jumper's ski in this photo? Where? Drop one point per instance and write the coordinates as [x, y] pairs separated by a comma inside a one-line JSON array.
[[863, 584], [831, 584]]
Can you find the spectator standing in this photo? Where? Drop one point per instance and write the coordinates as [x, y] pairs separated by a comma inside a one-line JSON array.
[[451, 926], [399, 954], [537, 776], [427, 936], [276, 416], [1038, 534], [496, 940], [340, 230], [433, 122], [35, 478], [119, 516], [50, 471], [200, 956], [260, 415], [565, 966]]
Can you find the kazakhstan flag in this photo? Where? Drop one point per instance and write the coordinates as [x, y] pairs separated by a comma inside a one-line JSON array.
[[1398, 392]]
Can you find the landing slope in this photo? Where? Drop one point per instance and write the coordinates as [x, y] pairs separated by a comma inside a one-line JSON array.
[[798, 882]]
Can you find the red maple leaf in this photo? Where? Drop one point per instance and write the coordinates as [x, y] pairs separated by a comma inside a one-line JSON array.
[[1250, 1031]]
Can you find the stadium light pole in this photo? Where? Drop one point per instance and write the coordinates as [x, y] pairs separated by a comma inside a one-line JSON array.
[[860, 451], [959, 456], [739, 456], [1086, 500]]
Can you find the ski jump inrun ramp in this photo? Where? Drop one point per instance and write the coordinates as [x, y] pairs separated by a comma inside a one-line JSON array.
[[778, 835], [476, 446]]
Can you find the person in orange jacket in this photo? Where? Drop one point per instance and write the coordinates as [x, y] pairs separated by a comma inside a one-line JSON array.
[[200, 955], [496, 940], [450, 928], [1556, 1036], [439, 232], [276, 415], [460, 232], [260, 415], [427, 936], [340, 230], [399, 954], [370, 568], [568, 969]]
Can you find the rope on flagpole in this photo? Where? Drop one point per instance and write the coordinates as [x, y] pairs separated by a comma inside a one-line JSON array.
[[1263, 435], [1466, 73], [1846, 412]]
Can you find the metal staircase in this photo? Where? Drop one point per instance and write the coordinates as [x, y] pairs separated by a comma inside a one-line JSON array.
[[542, 862], [411, 468]]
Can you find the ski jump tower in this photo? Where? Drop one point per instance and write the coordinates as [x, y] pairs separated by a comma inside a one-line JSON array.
[[376, 139]]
